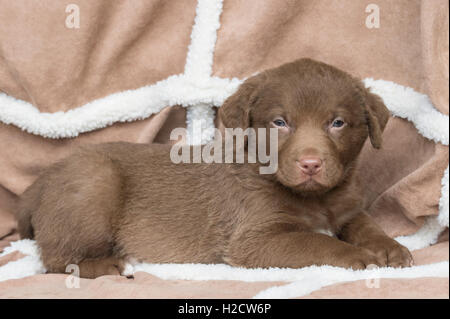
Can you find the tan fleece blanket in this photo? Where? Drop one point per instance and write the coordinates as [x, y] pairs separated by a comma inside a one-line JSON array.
[[133, 70]]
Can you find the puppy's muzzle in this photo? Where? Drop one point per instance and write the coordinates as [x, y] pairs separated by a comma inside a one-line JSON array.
[[310, 165]]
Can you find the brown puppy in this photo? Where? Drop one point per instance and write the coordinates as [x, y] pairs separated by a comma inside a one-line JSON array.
[[110, 202]]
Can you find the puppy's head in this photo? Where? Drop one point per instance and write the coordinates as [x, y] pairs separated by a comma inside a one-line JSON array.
[[323, 117]]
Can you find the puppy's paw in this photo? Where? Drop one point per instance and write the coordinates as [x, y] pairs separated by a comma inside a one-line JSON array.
[[361, 258], [391, 252], [93, 268]]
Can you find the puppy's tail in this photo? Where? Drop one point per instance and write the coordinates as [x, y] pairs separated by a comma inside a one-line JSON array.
[[28, 202]]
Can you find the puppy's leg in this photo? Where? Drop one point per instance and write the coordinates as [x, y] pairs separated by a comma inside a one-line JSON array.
[[272, 247], [87, 268], [74, 222], [93, 268], [364, 232], [91, 250]]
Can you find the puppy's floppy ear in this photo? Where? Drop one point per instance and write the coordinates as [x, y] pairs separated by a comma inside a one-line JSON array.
[[377, 116], [235, 111]]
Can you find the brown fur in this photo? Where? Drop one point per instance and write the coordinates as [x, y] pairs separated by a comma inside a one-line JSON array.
[[110, 202]]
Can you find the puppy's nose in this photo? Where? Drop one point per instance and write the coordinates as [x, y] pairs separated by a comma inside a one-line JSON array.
[[310, 165]]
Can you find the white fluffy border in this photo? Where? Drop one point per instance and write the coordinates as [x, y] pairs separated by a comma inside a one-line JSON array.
[[199, 91], [140, 104], [24, 267], [302, 281], [316, 278]]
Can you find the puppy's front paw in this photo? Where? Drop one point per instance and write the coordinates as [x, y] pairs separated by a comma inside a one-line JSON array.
[[391, 252], [361, 258]]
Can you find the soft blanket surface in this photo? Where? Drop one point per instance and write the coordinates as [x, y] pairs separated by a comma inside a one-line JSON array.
[[151, 66]]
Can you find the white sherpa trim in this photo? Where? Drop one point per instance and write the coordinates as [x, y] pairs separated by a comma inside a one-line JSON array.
[[427, 235], [27, 266], [200, 117], [200, 55], [305, 280], [315, 278], [443, 202], [226, 272], [198, 67], [24, 267], [124, 106], [25, 246]]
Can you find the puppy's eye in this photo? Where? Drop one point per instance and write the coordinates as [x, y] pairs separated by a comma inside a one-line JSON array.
[[280, 123], [338, 123]]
